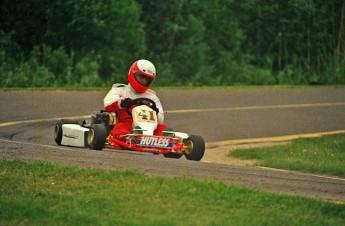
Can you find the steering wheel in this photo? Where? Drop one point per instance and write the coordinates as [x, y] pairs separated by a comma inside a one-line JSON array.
[[142, 101]]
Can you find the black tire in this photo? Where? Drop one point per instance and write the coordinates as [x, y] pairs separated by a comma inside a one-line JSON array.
[[97, 137], [173, 155], [195, 148], [58, 133], [69, 121], [58, 129]]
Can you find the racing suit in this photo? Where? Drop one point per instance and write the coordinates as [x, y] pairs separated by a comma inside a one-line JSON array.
[[112, 103]]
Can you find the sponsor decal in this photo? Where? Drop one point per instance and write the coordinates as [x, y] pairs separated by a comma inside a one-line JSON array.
[[163, 142], [70, 136]]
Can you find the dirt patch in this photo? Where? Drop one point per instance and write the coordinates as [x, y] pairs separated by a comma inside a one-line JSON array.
[[219, 153]]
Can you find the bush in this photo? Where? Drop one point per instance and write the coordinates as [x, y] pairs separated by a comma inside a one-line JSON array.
[[86, 72]]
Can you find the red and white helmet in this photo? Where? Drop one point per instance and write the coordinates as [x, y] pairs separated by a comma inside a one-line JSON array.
[[141, 75]]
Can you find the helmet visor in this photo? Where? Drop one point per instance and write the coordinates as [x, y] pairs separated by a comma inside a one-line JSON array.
[[143, 79]]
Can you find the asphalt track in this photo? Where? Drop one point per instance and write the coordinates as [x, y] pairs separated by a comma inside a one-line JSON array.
[[222, 116]]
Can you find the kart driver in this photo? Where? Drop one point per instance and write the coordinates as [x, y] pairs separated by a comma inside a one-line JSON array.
[[141, 75]]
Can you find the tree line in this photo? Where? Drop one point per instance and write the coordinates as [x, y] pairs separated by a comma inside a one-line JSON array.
[[66, 43]]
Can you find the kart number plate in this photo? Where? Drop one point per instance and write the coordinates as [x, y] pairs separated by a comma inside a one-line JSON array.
[[162, 142], [146, 116]]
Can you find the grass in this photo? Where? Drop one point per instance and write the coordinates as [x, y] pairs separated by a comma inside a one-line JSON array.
[[324, 155], [47, 194]]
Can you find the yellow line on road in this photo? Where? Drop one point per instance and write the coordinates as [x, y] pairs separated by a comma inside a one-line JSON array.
[[190, 111], [40, 120], [275, 139], [259, 107], [315, 175], [39, 145]]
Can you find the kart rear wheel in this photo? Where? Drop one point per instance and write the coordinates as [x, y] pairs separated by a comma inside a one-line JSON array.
[[195, 148], [58, 129], [97, 136], [172, 155]]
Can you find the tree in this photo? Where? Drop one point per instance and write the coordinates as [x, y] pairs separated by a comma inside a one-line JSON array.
[[191, 36], [106, 32]]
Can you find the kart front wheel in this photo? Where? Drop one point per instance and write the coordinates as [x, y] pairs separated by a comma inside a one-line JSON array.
[[58, 129], [195, 148], [97, 136]]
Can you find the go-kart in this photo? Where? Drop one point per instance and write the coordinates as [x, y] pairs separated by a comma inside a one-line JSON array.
[[96, 134]]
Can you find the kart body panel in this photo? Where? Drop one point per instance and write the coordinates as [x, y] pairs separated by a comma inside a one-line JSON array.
[[74, 135]]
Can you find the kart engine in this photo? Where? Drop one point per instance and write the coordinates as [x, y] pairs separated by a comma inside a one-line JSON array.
[[109, 119]]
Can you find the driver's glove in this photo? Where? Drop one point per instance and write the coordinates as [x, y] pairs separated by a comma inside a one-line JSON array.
[[126, 103]]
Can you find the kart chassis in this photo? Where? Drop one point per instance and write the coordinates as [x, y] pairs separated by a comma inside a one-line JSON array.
[[96, 134]]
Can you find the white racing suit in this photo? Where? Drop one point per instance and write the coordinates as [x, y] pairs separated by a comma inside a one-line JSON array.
[[112, 103]]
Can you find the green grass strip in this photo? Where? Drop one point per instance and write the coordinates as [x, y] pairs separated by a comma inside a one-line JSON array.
[[48, 194], [324, 155]]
